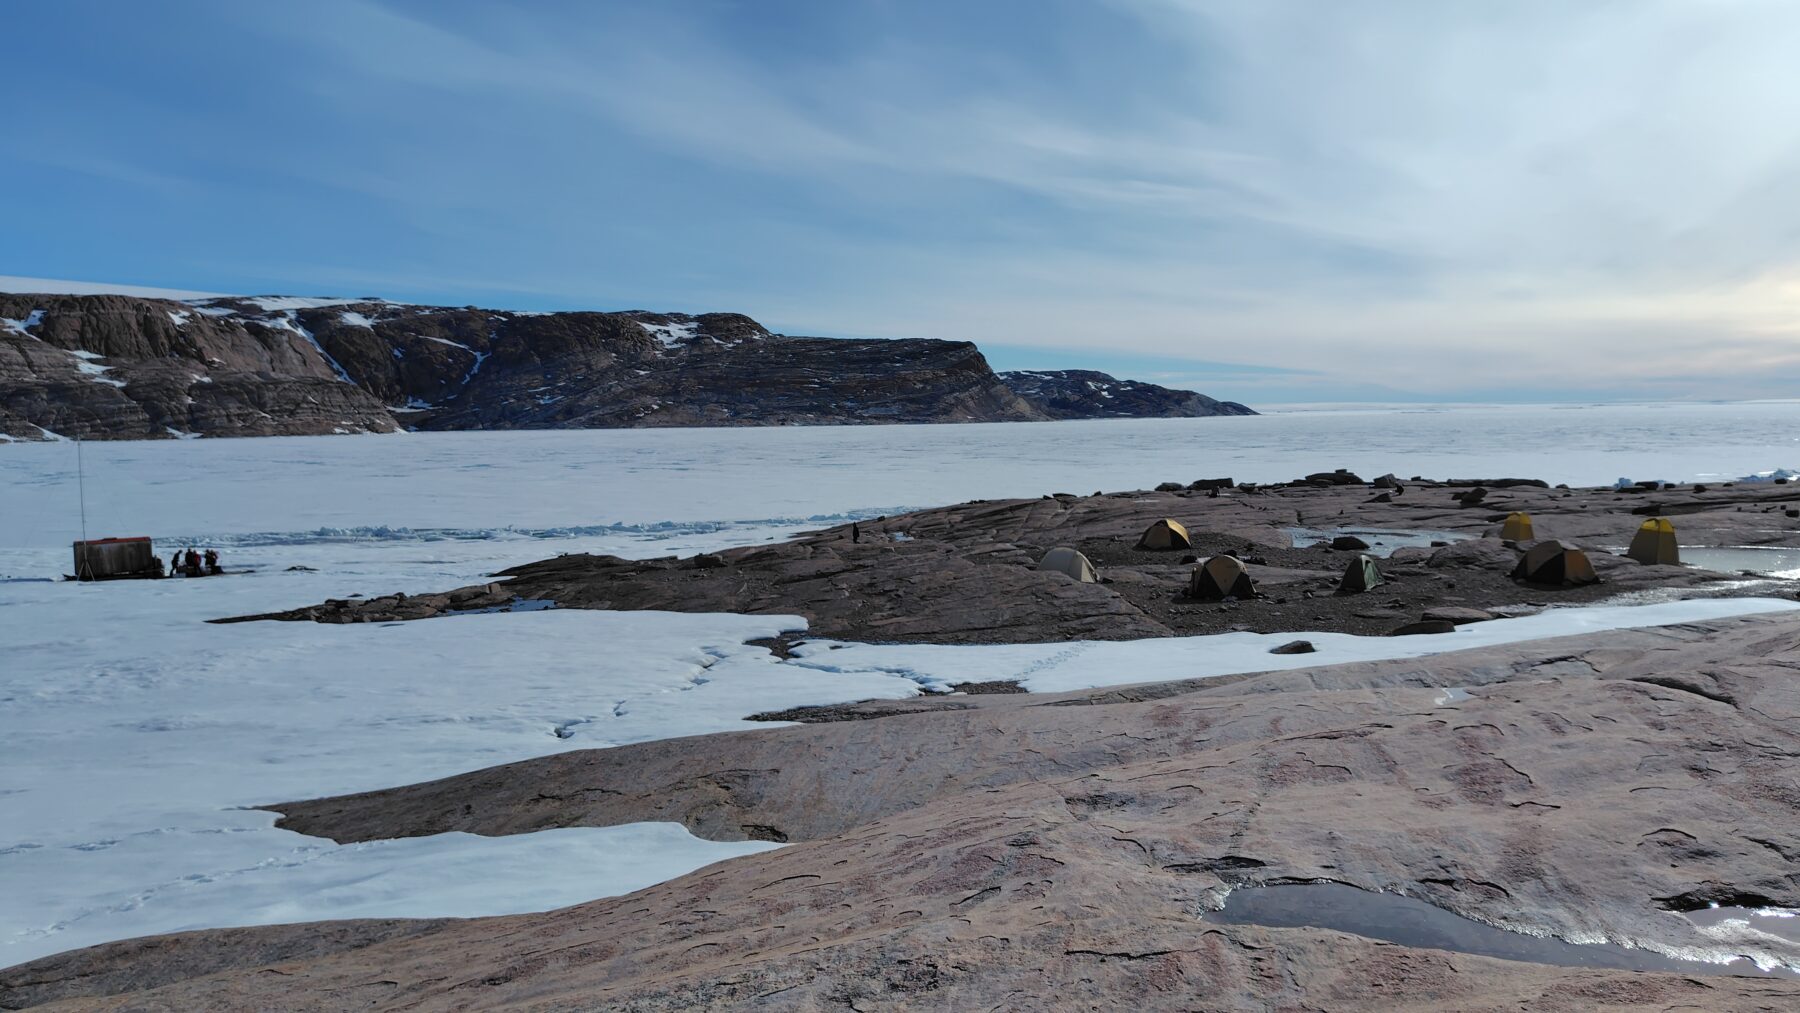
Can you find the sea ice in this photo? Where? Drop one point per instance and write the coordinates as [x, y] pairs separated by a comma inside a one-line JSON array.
[[132, 734]]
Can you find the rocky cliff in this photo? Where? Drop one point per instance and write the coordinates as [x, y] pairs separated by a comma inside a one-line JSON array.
[[121, 367], [1087, 394]]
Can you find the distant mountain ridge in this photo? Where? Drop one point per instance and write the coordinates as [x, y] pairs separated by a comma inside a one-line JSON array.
[[134, 367], [1090, 394]]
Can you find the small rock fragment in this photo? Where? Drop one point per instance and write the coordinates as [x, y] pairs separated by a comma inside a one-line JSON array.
[[1457, 615], [1424, 626]]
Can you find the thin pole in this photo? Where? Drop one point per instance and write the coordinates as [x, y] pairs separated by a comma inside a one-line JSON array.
[[81, 488], [81, 494]]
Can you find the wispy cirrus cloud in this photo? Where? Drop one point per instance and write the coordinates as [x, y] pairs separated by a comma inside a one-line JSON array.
[[1393, 195]]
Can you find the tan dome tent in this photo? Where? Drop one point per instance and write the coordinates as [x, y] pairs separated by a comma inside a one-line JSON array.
[[1655, 543], [1553, 562], [1360, 576], [1165, 534], [1221, 577], [1063, 559], [1517, 527]]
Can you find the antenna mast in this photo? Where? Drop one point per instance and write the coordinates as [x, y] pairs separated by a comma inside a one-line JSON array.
[[81, 495], [81, 488]]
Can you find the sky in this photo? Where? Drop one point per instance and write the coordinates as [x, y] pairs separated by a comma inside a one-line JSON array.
[[1261, 199]]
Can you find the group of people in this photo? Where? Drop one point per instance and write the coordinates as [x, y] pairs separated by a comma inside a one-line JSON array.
[[189, 563]]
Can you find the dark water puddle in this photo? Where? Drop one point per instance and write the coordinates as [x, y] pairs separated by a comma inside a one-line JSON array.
[[1394, 918]]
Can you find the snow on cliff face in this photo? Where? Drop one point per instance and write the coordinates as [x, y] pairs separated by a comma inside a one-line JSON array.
[[713, 369], [516, 371], [672, 336], [23, 326]]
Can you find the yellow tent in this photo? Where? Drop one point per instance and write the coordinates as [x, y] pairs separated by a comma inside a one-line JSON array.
[[1555, 563], [1517, 527], [1165, 534], [1655, 543], [1221, 577], [1063, 559]]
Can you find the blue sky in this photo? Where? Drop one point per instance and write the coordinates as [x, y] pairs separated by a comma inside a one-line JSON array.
[[1264, 200]]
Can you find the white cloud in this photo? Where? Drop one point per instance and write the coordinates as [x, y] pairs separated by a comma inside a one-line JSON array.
[[1399, 191], [55, 286]]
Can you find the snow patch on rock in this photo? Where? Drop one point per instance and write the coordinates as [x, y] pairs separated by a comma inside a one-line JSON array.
[[23, 326], [672, 336], [288, 321]]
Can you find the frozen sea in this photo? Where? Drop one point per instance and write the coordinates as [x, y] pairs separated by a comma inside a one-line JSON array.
[[135, 739]]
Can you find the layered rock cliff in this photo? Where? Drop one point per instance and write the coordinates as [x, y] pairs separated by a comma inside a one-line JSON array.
[[1087, 394], [122, 367]]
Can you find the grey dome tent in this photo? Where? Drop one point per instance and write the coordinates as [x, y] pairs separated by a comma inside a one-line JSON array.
[[1361, 575], [1554, 563], [1221, 577], [1063, 559]]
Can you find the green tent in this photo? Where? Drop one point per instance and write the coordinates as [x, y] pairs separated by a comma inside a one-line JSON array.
[[1361, 575]]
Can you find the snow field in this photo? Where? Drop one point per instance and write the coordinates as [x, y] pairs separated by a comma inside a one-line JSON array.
[[1060, 668], [134, 741]]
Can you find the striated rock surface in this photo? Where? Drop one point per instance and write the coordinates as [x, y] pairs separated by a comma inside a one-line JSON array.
[[105, 366], [109, 366], [1030, 852], [1088, 394]]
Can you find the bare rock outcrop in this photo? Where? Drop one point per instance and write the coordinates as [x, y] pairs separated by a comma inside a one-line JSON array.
[[1090, 394], [968, 573], [99, 367], [1029, 853]]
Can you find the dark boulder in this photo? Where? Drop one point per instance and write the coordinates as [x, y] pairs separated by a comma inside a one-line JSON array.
[[1472, 497], [1294, 647]]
